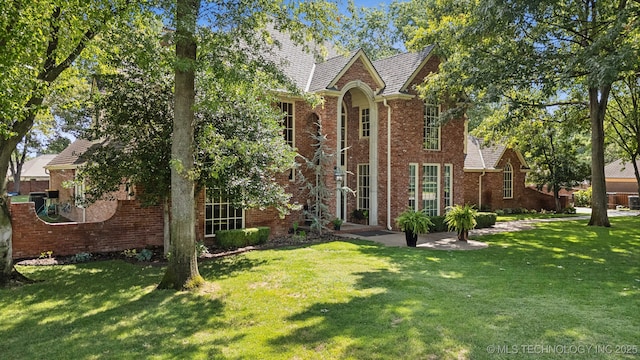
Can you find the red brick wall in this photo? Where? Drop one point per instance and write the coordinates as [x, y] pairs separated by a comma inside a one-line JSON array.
[[132, 226], [492, 188], [100, 210], [28, 186]]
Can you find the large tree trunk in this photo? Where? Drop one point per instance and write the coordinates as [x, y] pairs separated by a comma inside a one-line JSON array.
[[6, 149], [182, 272], [597, 107]]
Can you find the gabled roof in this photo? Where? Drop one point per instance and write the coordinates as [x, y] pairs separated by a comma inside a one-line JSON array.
[[296, 63], [310, 74], [327, 71], [485, 158], [399, 70], [71, 157], [620, 170]]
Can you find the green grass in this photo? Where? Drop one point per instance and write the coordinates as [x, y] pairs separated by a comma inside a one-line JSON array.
[[563, 284], [20, 199], [516, 217]]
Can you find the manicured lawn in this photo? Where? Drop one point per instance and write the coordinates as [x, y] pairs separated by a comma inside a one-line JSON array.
[[564, 287], [516, 217]]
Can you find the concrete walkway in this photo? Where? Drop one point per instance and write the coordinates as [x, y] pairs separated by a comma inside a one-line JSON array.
[[449, 240]]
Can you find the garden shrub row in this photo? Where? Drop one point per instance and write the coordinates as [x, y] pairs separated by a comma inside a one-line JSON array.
[[232, 239], [484, 220]]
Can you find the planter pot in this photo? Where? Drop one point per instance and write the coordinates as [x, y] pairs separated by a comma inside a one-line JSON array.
[[336, 227], [463, 235], [412, 239]]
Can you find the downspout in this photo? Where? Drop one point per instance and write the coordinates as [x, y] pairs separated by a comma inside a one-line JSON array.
[[384, 101], [480, 190]]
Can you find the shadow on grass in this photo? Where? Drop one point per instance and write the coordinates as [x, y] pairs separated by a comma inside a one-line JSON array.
[[107, 309], [561, 284]]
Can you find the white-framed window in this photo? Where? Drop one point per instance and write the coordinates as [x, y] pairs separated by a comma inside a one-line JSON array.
[[219, 214], [413, 186], [343, 136], [365, 123], [507, 192], [431, 189], [363, 186], [79, 190], [288, 122], [447, 183], [431, 127]]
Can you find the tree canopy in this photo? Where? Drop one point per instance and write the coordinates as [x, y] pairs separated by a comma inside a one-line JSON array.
[[570, 53], [40, 40]]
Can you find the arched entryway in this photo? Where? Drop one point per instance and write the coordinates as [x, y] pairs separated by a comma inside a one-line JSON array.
[[357, 129]]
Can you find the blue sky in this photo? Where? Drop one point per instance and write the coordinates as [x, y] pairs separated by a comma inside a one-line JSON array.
[[370, 3]]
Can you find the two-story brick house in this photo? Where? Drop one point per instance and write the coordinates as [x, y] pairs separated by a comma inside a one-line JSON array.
[[390, 145]]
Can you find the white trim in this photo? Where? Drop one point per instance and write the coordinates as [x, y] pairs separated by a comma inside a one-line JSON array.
[[368, 65], [450, 166], [424, 127], [313, 70], [508, 189], [438, 185], [417, 185], [373, 143], [405, 86]]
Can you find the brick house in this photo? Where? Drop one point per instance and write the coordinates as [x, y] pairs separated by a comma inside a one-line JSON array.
[[495, 177], [389, 144]]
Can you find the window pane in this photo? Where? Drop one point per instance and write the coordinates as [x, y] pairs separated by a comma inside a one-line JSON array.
[[431, 127]]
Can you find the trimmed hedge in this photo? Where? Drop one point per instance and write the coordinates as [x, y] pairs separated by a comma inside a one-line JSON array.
[[484, 220], [438, 224], [231, 239]]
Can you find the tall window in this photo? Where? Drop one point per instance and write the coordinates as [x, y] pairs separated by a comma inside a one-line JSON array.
[[365, 123], [430, 203], [448, 185], [508, 182], [79, 194], [413, 186], [363, 186], [343, 136], [220, 214], [287, 122], [431, 127]]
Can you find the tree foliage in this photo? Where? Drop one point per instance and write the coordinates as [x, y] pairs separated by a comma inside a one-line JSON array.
[[569, 52], [374, 30], [40, 40], [623, 120]]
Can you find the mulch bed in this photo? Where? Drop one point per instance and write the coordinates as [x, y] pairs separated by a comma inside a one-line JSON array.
[[158, 258]]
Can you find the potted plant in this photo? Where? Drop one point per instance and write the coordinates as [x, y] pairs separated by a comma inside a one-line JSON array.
[[413, 222], [461, 219], [360, 215], [337, 222]]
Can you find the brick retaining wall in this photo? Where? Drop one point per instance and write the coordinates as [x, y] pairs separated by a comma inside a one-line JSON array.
[[132, 226]]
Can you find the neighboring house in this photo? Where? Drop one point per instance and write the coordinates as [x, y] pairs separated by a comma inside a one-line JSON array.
[[620, 177], [390, 145], [33, 177], [62, 170]]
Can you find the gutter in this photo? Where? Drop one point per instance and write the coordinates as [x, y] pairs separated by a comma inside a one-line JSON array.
[[480, 190], [384, 101]]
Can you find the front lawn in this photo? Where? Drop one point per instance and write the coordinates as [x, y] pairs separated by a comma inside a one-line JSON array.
[[534, 216], [562, 290]]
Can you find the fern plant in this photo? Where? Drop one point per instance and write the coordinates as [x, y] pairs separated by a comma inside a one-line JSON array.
[[461, 219], [413, 222]]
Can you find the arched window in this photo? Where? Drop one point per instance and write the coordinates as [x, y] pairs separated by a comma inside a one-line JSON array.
[[508, 182]]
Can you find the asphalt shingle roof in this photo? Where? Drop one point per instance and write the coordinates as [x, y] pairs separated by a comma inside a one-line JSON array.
[[480, 156], [311, 74], [72, 155], [396, 70], [620, 170]]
